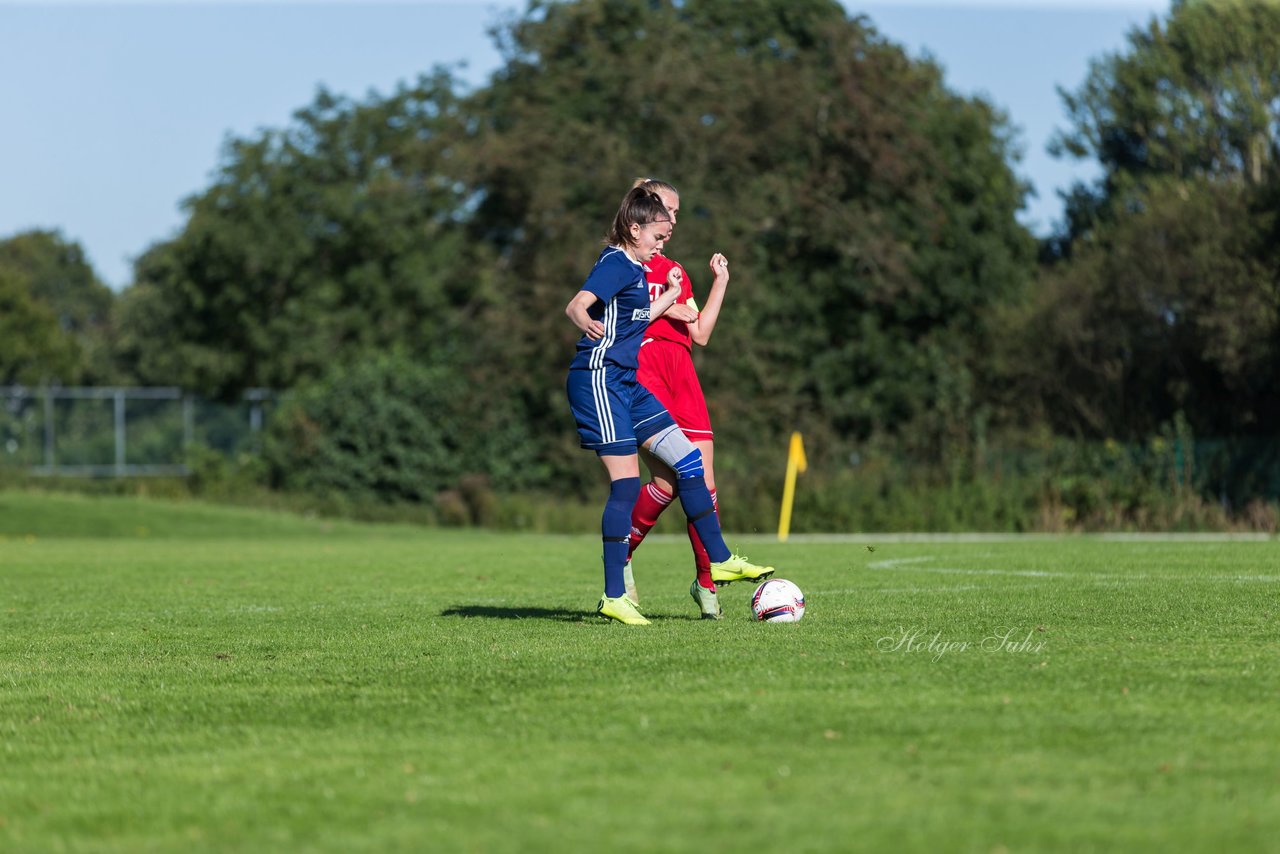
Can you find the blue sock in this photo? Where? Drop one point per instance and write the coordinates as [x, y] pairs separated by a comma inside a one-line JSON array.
[[615, 530], [695, 498]]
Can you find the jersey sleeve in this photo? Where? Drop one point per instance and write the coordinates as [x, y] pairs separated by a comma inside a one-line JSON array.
[[686, 288], [607, 278]]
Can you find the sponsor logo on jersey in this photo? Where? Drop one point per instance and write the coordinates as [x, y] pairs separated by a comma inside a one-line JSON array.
[[640, 314]]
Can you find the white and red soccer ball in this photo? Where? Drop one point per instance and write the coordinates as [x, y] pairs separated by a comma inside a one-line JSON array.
[[777, 601]]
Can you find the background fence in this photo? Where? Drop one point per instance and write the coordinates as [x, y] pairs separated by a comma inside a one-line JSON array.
[[122, 432]]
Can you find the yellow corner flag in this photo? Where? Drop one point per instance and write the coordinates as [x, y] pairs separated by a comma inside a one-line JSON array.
[[796, 463]]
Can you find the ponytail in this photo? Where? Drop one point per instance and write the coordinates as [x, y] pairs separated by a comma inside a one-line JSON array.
[[640, 207], [653, 185]]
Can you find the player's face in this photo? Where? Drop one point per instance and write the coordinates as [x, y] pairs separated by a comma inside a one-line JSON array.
[[650, 238], [672, 203]]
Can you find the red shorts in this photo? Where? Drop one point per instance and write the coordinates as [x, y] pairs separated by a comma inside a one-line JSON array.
[[666, 369]]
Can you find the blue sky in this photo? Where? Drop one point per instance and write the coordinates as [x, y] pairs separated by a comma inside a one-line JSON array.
[[114, 112]]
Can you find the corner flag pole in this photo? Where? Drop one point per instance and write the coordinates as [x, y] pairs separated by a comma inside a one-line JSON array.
[[796, 463]]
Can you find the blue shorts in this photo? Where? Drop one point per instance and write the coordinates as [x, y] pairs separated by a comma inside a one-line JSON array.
[[615, 414]]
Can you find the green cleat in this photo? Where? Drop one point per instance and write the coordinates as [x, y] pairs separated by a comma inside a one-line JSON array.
[[620, 608], [708, 602], [630, 581], [738, 568]]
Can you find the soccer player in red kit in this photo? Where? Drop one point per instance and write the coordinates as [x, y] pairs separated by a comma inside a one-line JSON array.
[[666, 369]]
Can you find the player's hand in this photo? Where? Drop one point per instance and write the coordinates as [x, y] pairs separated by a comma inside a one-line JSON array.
[[720, 266], [682, 311], [594, 330], [674, 278]]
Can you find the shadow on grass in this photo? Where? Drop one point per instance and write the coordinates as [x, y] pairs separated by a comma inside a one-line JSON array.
[[565, 615], [495, 612]]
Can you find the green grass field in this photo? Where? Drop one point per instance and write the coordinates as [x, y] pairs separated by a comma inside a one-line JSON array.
[[184, 677]]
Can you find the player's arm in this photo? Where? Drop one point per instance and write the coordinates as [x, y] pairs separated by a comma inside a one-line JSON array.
[[669, 295], [578, 309], [700, 330], [603, 285]]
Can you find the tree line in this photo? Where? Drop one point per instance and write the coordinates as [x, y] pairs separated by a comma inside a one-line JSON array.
[[409, 255]]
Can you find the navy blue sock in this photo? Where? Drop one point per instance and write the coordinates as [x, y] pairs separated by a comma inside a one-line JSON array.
[[615, 530], [699, 509]]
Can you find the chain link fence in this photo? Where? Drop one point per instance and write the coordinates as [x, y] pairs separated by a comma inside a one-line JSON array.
[[122, 432]]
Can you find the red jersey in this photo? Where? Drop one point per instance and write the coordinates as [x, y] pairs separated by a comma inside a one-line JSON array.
[[667, 371], [664, 327]]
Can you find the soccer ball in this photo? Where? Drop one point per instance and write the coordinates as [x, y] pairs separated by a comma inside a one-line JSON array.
[[777, 601]]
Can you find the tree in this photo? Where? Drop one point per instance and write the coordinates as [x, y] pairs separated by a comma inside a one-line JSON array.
[[314, 244], [1165, 299], [32, 348], [868, 212], [1169, 309], [1195, 95], [56, 312]]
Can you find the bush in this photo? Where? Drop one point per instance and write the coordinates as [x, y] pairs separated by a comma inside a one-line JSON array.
[[383, 429], [1022, 484]]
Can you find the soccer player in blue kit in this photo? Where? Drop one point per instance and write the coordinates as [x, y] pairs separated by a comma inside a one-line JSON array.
[[615, 413]]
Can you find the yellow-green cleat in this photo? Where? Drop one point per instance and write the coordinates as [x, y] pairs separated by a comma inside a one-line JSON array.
[[629, 581], [622, 609], [708, 602], [738, 568]]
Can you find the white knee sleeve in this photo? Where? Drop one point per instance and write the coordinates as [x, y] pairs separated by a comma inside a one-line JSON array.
[[673, 447]]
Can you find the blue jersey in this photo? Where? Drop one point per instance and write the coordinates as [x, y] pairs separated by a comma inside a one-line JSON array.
[[623, 308]]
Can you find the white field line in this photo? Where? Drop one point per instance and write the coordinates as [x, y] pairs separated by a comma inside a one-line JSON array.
[[898, 561], [910, 564], [1022, 573], [848, 591], [979, 537]]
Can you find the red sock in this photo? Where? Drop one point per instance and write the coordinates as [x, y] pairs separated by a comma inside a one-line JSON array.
[[644, 515], [701, 560]]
